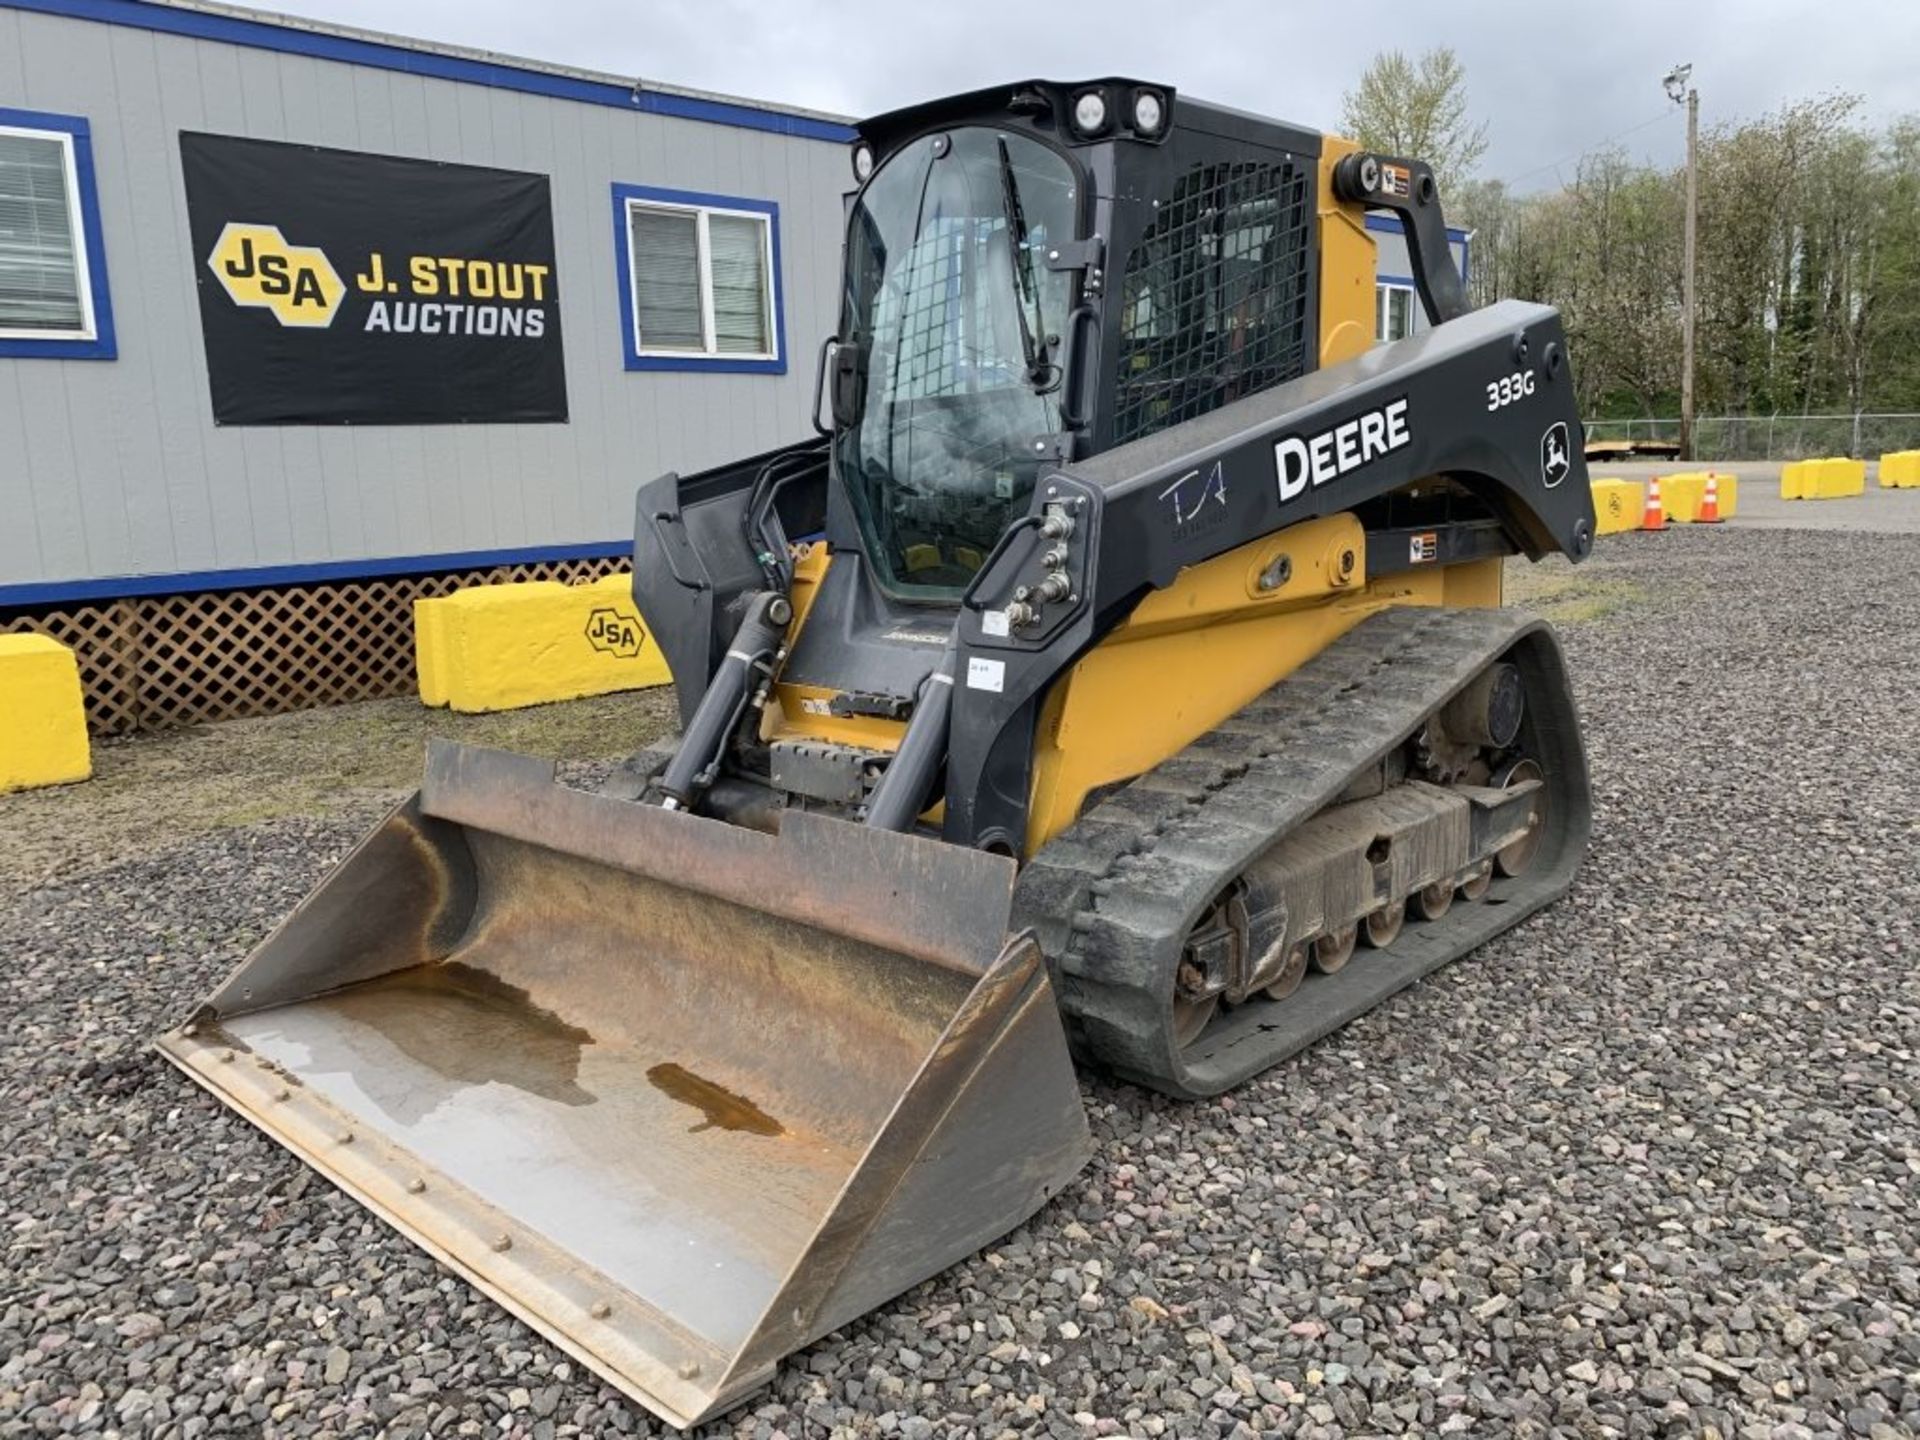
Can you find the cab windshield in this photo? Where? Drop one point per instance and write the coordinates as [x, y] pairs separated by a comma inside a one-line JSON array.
[[957, 323]]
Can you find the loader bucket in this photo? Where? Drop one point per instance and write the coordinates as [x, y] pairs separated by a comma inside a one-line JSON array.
[[681, 1095]]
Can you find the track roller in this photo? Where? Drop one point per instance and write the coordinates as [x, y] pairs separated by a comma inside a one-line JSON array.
[[1208, 956], [1190, 1016], [1291, 974], [1513, 860], [1383, 926], [1333, 950], [1433, 901]]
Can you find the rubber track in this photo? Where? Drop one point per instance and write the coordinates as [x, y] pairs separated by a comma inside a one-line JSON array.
[[1113, 896]]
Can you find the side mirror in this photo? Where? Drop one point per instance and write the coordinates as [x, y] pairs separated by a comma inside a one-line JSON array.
[[847, 369], [827, 347]]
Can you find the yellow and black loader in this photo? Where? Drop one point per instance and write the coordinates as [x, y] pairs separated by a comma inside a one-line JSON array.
[[1120, 674]]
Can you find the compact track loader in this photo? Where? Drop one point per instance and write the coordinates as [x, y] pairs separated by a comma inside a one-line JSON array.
[[1121, 675]]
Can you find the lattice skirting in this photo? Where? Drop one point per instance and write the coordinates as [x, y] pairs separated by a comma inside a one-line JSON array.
[[156, 662]]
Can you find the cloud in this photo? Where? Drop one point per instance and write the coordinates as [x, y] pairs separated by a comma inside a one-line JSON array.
[[1551, 81]]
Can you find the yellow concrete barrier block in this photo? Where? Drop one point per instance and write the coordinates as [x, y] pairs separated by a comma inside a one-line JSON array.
[[1900, 470], [1836, 479], [498, 647], [1617, 505], [43, 723], [1683, 494], [429, 647], [1832, 478]]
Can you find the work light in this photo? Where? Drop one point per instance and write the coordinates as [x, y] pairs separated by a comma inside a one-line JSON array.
[[1090, 112], [1149, 112]]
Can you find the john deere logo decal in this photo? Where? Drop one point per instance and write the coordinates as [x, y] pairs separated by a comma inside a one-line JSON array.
[[257, 266], [616, 634], [1556, 455]]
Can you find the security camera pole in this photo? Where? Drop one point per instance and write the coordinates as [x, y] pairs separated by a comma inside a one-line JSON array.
[[1676, 83]]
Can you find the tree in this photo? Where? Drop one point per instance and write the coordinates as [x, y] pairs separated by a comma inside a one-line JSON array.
[[1417, 108], [1626, 252], [1487, 209], [1809, 274], [1893, 381], [1775, 249]]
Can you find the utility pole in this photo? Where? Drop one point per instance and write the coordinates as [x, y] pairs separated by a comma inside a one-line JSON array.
[[1676, 82]]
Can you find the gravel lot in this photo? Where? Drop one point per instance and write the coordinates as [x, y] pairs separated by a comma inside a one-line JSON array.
[[152, 792], [1647, 1165]]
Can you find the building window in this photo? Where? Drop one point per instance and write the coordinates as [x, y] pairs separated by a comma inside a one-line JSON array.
[[700, 278], [1394, 316], [53, 282]]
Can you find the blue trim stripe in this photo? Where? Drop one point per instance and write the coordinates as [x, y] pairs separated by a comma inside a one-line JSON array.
[[1390, 225], [103, 346], [120, 587], [623, 269], [379, 55]]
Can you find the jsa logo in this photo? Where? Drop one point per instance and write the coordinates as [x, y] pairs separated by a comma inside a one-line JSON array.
[[256, 266], [616, 634]]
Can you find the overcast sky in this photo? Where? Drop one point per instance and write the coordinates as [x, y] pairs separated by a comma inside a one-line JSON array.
[[1551, 79]]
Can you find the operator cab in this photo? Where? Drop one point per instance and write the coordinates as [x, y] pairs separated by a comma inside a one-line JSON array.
[[1033, 274]]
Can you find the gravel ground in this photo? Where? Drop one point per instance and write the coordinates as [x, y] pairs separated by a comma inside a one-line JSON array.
[[152, 792], [1647, 1165]]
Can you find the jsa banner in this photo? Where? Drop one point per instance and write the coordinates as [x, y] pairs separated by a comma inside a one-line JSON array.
[[340, 288]]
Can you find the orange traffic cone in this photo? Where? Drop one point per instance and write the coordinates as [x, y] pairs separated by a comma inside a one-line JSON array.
[[1654, 516], [1710, 501]]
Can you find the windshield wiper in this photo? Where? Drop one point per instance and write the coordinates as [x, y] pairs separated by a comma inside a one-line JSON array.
[[1022, 258]]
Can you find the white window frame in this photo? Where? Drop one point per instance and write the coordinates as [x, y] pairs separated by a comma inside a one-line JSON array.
[[704, 258], [1383, 308], [76, 221]]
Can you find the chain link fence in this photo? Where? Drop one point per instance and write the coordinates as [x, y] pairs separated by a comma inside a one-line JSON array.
[[1865, 435]]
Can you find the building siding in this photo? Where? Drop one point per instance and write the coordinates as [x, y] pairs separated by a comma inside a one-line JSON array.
[[115, 468]]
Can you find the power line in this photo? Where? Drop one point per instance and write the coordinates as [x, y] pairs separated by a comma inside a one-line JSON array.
[[1588, 150]]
